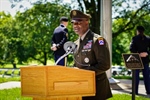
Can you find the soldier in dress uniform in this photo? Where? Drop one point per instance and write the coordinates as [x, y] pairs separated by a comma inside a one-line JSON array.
[[92, 53], [141, 44], [60, 37]]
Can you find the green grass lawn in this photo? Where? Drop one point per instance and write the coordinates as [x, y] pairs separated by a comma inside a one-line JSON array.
[[127, 97], [12, 94], [49, 62], [15, 94], [2, 80]]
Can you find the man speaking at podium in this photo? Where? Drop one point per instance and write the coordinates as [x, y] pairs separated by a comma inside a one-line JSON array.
[[92, 53]]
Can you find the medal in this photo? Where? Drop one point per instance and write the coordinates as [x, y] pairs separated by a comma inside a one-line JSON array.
[[86, 60]]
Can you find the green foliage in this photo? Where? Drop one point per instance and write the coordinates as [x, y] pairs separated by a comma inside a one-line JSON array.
[[120, 45], [5, 30]]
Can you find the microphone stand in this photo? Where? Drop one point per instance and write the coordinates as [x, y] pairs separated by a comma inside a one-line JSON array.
[[63, 56]]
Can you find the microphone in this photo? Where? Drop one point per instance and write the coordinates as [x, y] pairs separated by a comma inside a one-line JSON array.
[[69, 47]]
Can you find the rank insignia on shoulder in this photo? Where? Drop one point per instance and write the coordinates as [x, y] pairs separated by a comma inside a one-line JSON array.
[[101, 41]]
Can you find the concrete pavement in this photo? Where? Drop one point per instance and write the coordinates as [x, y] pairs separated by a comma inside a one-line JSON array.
[[8, 85], [125, 86]]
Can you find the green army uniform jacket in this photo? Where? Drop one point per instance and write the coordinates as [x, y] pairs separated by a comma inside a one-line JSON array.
[[92, 53]]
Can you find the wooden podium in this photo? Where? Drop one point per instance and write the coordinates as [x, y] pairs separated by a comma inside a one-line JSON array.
[[56, 83]]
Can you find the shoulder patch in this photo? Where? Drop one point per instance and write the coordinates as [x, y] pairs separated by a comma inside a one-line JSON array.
[[101, 40]]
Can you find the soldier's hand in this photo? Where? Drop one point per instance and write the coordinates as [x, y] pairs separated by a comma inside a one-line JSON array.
[[143, 54], [54, 48]]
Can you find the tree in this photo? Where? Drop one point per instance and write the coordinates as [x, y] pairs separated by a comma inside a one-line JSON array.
[[37, 25], [8, 44], [92, 7], [29, 33], [124, 24]]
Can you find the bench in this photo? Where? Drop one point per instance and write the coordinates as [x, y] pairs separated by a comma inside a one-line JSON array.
[[9, 72]]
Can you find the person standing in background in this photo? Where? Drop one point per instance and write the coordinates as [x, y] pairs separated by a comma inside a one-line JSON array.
[[141, 44], [59, 38], [92, 53]]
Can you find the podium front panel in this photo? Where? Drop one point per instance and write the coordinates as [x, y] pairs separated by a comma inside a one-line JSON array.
[[70, 81], [56, 81], [33, 81]]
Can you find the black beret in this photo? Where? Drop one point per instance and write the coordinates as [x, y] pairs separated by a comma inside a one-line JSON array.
[[77, 15], [64, 19]]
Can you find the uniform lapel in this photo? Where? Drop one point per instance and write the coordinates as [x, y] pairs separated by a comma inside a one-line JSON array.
[[87, 37]]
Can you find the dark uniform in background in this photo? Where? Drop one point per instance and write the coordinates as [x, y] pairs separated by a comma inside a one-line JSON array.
[[59, 38], [93, 54], [141, 44]]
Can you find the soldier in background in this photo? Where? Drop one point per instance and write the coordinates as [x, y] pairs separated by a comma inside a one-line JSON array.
[[141, 44], [60, 36], [92, 53]]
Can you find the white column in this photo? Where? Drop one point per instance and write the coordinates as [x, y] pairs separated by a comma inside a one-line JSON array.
[[106, 26]]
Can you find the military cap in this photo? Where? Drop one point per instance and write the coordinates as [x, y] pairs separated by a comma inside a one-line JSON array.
[[64, 19], [78, 15]]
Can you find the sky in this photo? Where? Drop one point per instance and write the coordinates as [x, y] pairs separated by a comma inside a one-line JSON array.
[[5, 5]]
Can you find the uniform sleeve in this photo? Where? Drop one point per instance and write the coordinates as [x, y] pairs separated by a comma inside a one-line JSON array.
[[102, 54], [149, 47], [53, 40], [66, 30], [133, 46], [63, 40]]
